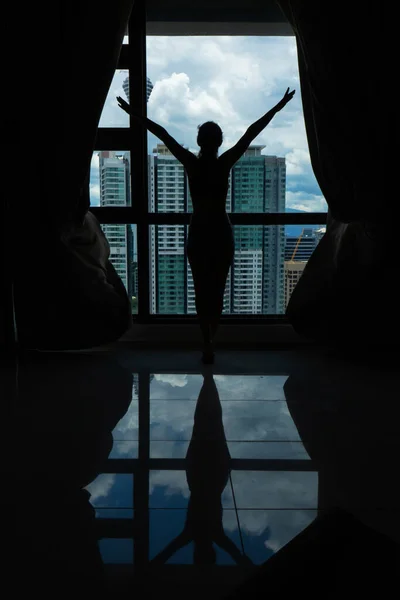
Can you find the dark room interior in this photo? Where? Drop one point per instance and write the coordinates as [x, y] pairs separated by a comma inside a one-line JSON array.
[[199, 325]]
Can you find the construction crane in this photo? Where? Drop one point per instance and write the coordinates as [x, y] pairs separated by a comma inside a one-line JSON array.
[[297, 246]]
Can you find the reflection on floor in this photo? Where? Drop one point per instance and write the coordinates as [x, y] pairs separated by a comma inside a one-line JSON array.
[[145, 469]]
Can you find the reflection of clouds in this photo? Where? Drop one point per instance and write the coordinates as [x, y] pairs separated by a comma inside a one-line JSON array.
[[168, 449], [101, 486], [230, 387], [269, 450], [126, 449], [172, 420], [174, 483], [112, 490], [247, 418], [243, 421], [258, 421], [128, 426], [259, 387], [230, 520], [174, 386], [263, 450], [253, 409], [278, 527], [275, 489], [174, 380]]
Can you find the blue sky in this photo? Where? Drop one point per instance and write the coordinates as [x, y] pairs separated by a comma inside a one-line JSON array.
[[233, 81]]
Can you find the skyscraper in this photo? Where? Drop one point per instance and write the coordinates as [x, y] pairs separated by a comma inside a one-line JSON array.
[[301, 247], [167, 193], [115, 191], [149, 88], [258, 186], [298, 250], [293, 272]]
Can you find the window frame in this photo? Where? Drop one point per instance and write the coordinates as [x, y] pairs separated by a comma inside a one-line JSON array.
[[133, 58]]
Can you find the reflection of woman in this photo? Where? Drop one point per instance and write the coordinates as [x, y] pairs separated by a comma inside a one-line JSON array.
[[207, 473], [210, 245]]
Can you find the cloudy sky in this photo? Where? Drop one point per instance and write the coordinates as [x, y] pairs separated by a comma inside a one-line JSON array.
[[233, 81]]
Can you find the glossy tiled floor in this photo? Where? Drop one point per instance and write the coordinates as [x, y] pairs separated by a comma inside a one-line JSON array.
[[144, 469]]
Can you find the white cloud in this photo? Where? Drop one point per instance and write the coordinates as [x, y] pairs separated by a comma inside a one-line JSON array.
[[95, 192], [297, 161], [174, 99], [112, 115], [94, 163], [306, 202], [94, 186]]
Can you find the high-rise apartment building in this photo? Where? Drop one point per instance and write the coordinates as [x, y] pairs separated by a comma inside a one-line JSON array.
[[114, 175], [167, 193], [293, 272], [258, 186], [301, 247], [298, 250]]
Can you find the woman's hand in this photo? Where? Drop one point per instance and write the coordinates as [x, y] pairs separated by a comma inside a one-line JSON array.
[[286, 98], [124, 105]]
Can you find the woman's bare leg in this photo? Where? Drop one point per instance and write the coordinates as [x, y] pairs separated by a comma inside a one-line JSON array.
[[214, 325], [208, 350], [205, 330], [218, 301]]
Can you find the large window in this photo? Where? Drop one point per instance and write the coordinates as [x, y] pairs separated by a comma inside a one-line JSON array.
[[140, 193]]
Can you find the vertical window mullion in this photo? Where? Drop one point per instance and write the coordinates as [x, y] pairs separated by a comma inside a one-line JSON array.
[[138, 149]]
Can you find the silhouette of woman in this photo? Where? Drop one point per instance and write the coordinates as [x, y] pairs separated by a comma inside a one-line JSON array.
[[210, 245]]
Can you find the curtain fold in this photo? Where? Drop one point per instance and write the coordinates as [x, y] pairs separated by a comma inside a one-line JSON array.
[[344, 50], [70, 55]]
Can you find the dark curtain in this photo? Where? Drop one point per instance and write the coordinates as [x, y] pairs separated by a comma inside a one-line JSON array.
[[344, 52], [62, 58]]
